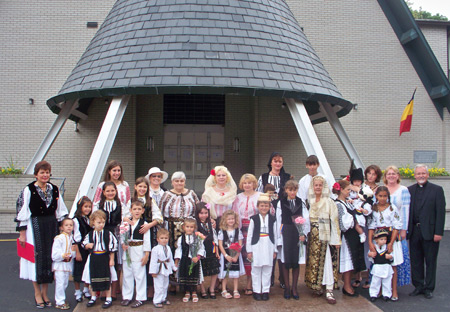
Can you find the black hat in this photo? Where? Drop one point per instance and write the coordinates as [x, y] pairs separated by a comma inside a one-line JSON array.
[[356, 174]]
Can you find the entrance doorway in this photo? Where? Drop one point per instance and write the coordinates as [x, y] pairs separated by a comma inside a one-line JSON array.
[[195, 150]]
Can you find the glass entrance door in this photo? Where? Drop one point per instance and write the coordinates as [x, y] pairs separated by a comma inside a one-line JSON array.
[[195, 150]]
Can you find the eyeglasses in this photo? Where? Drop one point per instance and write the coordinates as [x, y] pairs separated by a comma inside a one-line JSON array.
[[156, 176]]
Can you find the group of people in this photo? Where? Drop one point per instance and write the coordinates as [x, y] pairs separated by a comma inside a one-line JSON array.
[[159, 239]]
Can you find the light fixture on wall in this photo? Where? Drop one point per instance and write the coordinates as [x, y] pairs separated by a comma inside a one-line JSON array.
[[355, 106], [283, 105], [236, 145], [150, 144], [76, 127], [30, 101]]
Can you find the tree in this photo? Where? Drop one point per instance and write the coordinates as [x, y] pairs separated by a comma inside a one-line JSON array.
[[421, 14]]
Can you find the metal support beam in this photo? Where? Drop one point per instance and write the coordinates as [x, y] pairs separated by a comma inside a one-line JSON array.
[[308, 135], [102, 149], [333, 119], [66, 110]]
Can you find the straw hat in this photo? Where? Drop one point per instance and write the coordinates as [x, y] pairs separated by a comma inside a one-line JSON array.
[[154, 170]]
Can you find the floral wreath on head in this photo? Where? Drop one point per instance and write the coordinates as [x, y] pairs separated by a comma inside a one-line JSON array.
[[325, 190]]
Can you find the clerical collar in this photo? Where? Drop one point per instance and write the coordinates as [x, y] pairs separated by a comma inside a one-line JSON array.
[[423, 185]]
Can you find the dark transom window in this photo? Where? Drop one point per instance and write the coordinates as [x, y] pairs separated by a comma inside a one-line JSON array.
[[207, 109]]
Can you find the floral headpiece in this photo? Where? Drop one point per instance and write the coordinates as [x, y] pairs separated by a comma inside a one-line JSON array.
[[213, 172], [336, 186], [208, 206]]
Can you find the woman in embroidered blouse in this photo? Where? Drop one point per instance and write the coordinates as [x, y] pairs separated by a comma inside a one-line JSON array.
[[220, 192], [245, 205], [324, 240], [401, 199], [276, 175], [155, 178], [176, 205], [114, 173], [40, 208]]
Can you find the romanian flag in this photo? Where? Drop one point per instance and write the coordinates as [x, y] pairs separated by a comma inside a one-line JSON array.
[[405, 122]]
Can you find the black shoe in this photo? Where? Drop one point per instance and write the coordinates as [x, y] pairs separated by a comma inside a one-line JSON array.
[[428, 295], [386, 299], [296, 297], [416, 292], [107, 304], [287, 294], [373, 299], [265, 296], [349, 294], [257, 297], [90, 303]]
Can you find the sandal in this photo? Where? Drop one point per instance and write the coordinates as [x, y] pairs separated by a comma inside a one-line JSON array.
[[236, 294], [212, 295], [48, 303], [39, 305], [330, 297], [226, 294], [186, 297], [356, 283], [158, 305], [204, 295], [248, 292], [137, 304], [167, 302], [64, 306], [366, 285], [194, 298]]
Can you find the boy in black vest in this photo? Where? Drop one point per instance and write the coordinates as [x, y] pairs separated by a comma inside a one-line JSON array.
[[137, 248], [261, 248]]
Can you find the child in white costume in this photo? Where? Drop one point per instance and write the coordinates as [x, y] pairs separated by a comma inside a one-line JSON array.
[[382, 269], [136, 250], [62, 256], [262, 247], [161, 266]]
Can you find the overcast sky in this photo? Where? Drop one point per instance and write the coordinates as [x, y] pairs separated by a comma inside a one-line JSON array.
[[433, 6]]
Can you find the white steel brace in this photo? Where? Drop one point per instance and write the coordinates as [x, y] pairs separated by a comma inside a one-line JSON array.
[[342, 136], [308, 135], [66, 110], [102, 149]]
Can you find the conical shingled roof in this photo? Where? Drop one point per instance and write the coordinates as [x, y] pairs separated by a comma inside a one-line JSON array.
[[201, 46]]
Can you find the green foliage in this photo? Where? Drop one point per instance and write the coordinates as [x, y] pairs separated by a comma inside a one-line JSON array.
[[11, 168], [421, 14]]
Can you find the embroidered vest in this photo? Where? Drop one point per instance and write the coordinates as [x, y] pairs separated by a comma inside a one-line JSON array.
[[226, 239], [105, 239], [381, 259], [284, 177], [38, 207], [84, 226], [136, 235], [257, 228], [115, 217]]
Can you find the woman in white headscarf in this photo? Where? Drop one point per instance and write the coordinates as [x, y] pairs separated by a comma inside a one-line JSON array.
[[220, 192]]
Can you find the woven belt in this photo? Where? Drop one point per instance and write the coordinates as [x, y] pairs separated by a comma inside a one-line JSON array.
[[99, 252], [138, 243]]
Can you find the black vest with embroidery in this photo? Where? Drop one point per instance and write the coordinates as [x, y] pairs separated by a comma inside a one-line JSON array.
[[284, 177], [286, 213], [113, 218], [136, 235], [105, 239], [381, 259], [38, 207], [84, 226], [226, 239], [257, 228]]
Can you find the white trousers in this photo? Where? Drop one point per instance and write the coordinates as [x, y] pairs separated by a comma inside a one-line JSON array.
[[386, 284], [131, 274], [61, 282], [160, 284], [261, 278]]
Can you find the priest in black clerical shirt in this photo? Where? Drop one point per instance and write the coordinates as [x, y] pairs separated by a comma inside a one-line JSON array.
[[425, 230]]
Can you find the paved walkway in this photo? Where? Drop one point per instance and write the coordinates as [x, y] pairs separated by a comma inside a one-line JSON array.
[[17, 294]]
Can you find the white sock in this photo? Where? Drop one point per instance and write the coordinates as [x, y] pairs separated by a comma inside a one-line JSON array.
[[93, 298], [86, 289], [109, 299], [78, 292]]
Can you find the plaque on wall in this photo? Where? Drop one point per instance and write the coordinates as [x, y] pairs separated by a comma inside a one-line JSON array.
[[427, 157]]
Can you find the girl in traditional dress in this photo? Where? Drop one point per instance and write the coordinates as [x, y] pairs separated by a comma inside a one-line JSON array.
[[62, 256], [245, 205], [323, 240], [112, 207], [386, 216], [231, 264], [99, 270], [152, 217], [176, 205], [80, 228], [210, 263], [220, 192], [352, 250], [184, 256], [40, 208], [155, 178], [261, 245], [290, 237]]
